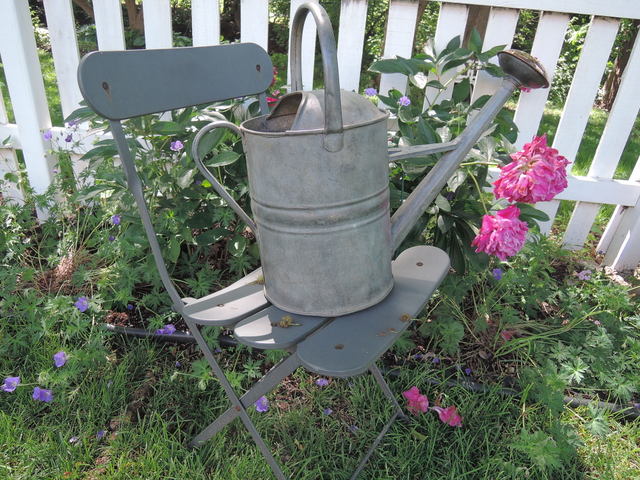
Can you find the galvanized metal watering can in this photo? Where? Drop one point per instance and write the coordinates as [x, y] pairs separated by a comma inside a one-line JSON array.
[[318, 181]]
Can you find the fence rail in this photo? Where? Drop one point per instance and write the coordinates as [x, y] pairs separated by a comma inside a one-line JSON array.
[[621, 239]]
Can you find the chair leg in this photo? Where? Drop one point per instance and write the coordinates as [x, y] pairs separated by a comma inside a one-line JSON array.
[[283, 369], [375, 371], [236, 402]]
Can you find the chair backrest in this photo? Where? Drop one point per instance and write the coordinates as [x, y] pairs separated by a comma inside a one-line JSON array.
[[125, 84], [129, 83]]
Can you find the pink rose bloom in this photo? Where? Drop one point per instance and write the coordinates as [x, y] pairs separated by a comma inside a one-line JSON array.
[[502, 234], [449, 415], [416, 401], [537, 174]]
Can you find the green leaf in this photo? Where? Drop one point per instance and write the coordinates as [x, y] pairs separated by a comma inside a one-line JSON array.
[[453, 45], [223, 158], [492, 52], [173, 250], [211, 236], [461, 91], [167, 128], [454, 63], [394, 65], [475, 41], [237, 245], [493, 70], [443, 204], [210, 141]]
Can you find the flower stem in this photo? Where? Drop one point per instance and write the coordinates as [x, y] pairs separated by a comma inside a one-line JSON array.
[[475, 182]]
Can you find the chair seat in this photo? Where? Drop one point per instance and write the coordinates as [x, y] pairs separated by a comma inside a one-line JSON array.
[[273, 328], [229, 305], [349, 345]]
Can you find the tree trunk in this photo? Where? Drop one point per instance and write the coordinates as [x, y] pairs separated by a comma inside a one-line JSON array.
[[612, 83], [135, 16], [86, 7], [477, 18]]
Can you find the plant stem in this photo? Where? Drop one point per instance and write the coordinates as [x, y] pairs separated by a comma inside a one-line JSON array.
[[475, 182]]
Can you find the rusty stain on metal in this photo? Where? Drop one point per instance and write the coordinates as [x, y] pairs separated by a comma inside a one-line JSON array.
[[405, 317], [419, 264], [339, 346], [220, 305]]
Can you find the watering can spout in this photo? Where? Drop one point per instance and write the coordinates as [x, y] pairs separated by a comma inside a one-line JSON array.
[[522, 70]]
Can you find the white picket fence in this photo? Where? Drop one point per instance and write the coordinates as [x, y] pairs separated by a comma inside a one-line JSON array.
[[620, 241]]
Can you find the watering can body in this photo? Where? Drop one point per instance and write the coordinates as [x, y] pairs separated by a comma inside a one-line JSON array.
[[322, 216]]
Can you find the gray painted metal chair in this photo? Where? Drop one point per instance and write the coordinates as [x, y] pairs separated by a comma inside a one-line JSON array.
[[124, 84]]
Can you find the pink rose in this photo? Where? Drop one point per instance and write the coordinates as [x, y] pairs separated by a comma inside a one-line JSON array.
[[502, 234]]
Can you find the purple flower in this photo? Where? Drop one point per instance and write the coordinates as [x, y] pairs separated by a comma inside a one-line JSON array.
[[74, 439], [497, 273], [262, 404], [82, 304], [111, 238], [129, 307], [47, 135], [327, 411], [115, 219], [322, 382], [636, 405], [417, 356], [467, 371], [166, 330], [42, 394], [10, 384], [176, 146], [353, 428], [100, 434], [68, 138], [218, 350], [178, 364], [370, 92], [435, 360], [404, 101], [72, 123], [584, 275], [59, 359]]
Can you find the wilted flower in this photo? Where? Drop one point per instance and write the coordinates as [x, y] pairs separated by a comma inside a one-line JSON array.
[[59, 359], [115, 219], [176, 146], [416, 402], [506, 335], [262, 404], [82, 304], [584, 275], [42, 394], [168, 329], [536, 174], [404, 101], [449, 415], [497, 273], [502, 234], [322, 382], [10, 384], [370, 92]]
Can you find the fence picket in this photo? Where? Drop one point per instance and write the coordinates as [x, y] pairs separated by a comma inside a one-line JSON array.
[[254, 22], [621, 239], [308, 50], [157, 23], [8, 160], [546, 47], [452, 20], [501, 27], [353, 20], [64, 47], [109, 26], [401, 24], [26, 88], [614, 138], [205, 22]]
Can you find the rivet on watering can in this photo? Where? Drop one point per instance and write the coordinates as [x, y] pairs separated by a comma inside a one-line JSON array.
[[339, 346]]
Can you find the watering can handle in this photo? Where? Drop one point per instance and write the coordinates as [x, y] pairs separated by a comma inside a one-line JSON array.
[[207, 174], [333, 136]]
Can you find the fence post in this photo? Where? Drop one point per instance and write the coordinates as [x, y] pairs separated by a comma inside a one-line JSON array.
[[205, 22], [26, 89]]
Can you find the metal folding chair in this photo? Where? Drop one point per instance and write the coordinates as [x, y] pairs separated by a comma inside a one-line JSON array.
[[124, 84]]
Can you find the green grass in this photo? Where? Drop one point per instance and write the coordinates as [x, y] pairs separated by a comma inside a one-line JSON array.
[[151, 443]]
